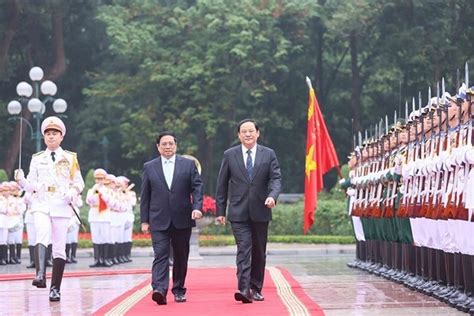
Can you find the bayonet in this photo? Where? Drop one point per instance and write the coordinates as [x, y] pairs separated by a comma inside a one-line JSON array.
[[466, 75], [458, 74], [406, 112]]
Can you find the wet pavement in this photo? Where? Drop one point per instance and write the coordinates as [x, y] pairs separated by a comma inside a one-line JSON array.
[[320, 269]]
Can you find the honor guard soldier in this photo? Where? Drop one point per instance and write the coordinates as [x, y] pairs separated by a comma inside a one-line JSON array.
[[3, 224], [73, 232], [98, 198], [54, 179], [129, 201], [15, 210]]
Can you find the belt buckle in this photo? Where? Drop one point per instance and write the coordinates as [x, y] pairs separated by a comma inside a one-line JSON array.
[[52, 189]]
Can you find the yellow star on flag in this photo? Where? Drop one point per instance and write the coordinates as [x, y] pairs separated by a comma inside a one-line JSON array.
[[310, 163]]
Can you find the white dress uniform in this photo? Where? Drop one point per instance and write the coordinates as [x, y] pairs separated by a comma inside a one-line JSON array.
[[54, 180], [99, 220], [16, 208], [53, 185], [3, 224]]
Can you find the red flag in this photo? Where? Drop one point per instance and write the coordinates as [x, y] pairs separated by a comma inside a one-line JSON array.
[[320, 158], [102, 205]]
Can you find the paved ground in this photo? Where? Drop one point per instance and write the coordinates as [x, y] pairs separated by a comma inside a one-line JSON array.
[[320, 269]]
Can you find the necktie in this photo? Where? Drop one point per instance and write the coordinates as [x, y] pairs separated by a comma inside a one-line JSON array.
[[53, 156], [248, 164]]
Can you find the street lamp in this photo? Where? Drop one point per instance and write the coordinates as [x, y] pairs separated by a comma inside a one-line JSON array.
[[29, 95]]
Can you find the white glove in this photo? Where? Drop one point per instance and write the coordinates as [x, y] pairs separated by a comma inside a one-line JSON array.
[[19, 175], [70, 196], [196, 214]]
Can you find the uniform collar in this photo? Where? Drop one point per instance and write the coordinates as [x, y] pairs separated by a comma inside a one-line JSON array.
[[59, 151]]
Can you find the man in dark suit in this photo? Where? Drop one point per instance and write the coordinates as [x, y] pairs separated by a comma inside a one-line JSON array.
[[250, 176], [171, 199]]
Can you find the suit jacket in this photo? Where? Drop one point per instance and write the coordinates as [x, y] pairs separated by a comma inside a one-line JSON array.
[[247, 196], [159, 205]]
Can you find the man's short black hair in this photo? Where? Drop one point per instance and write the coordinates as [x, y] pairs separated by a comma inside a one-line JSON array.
[[166, 133], [245, 121]]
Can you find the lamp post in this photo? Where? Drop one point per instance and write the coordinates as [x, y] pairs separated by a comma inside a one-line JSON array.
[[29, 94]]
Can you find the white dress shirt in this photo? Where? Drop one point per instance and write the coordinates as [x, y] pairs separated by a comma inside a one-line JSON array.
[[168, 169]]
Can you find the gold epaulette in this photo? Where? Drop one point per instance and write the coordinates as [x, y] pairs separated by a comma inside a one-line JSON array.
[[71, 152], [38, 153]]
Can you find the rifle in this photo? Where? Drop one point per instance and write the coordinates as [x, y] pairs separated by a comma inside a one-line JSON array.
[[403, 207], [453, 191], [415, 184]]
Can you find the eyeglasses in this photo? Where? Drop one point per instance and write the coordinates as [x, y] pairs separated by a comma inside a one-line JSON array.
[[164, 144]]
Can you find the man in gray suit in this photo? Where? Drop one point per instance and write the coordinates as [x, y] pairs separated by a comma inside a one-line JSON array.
[[250, 176], [171, 199]]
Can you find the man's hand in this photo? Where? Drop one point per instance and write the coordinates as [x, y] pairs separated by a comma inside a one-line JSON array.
[[19, 175], [197, 214], [270, 202], [145, 228], [220, 220]]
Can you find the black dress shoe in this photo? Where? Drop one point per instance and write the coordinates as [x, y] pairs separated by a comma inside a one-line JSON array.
[[257, 296], [54, 294], [159, 297], [243, 296], [39, 283], [180, 298]]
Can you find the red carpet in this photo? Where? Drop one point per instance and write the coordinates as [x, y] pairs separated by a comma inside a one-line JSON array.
[[211, 292]]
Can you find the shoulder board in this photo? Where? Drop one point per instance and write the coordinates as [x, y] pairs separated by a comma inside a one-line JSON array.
[[38, 153], [70, 152]]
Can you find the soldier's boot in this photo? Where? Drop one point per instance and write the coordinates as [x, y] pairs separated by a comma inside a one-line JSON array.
[[3, 250], [438, 273], [12, 259], [449, 265], [73, 252], [399, 258], [40, 264], [393, 263], [462, 302], [470, 306], [18, 253], [68, 253], [113, 255], [396, 262], [31, 250], [353, 263], [429, 271], [109, 253], [363, 251], [128, 253], [103, 257], [49, 256], [424, 269], [411, 264], [56, 278], [96, 263], [458, 280], [123, 252]]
